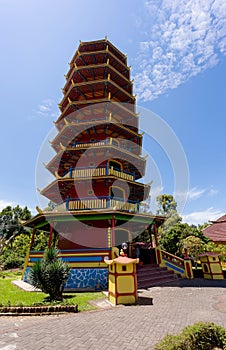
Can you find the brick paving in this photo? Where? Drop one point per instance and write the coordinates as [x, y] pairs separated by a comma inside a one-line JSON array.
[[121, 327]]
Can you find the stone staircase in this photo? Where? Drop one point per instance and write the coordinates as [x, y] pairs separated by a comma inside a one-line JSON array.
[[152, 275]]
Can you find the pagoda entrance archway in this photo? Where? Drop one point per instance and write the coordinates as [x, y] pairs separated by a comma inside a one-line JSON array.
[[121, 235]]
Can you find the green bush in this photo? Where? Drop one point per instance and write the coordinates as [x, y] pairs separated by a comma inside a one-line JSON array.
[[200, 336], [50, 274], [11, 261]]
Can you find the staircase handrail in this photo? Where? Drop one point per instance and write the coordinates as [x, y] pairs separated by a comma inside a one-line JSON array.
[[172, 258], [172, 262]]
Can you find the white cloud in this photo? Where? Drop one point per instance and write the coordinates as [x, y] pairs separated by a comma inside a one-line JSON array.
[[5, 203], [192, 194], [47, 108], [212, 192], [183, 38], [195, 193], [199, 217]]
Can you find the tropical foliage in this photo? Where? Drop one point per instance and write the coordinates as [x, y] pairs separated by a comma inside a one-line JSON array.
[[174, 239], [15, 238], [50, 274], [11, 224], [200, 336]]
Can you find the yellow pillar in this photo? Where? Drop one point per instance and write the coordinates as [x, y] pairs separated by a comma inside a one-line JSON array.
[[122, 280]]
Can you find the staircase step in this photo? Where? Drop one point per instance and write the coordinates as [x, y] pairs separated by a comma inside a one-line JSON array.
[[154, 275], [154, 272], [169, 281]]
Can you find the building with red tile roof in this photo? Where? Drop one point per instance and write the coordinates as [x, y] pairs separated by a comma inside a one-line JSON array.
[[217, 230]]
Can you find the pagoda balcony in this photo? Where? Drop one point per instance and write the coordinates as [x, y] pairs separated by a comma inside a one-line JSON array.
[[107, 103], [83, 172], [109, 141], [95, 203]]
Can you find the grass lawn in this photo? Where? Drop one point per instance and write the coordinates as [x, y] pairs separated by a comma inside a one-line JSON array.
[[11, 295]]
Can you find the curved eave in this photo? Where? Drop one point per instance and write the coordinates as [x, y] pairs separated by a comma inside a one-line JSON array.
[[43, 221], [74, 106], [63, 160], [105, 105], [72, 130], [59, 189], [93, 89], [99, 45], [96, 57], [94, 72]]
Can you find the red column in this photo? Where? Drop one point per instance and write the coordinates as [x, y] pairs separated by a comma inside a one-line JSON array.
[[156, 235], [50, 235]]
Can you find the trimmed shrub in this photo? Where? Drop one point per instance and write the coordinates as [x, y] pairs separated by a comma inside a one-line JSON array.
[[200, 336]]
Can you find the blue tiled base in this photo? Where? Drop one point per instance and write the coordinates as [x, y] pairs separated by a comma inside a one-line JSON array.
[[26, 273], [94, 279]]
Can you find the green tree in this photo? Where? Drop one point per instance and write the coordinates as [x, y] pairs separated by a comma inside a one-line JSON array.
[[195, 246], [11, 224], [173, 238], [167, 206], [50, 274]]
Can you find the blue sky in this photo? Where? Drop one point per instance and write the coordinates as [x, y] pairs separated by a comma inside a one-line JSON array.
[[177, 52]]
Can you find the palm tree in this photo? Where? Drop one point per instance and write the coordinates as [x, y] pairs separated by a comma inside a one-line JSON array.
[[50, 274]]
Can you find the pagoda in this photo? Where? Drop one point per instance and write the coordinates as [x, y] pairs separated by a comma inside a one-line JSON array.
[[97, 168]]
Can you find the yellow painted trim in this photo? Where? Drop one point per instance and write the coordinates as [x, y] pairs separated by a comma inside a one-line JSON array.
[[39, 210], [109, 238], [97, 52], [62, 147], [57, 176], [80, 264], [67, 123], [26, 261], [59, 154], [85, 254], [73, 254], [92, 101]]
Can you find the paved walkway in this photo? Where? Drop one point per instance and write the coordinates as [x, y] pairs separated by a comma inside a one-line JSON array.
[[121, 327]]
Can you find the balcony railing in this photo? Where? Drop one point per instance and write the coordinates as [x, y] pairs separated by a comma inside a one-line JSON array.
[[101, 203], [97, 172], [109, 141]]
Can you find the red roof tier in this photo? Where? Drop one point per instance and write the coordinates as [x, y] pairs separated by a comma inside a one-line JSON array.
[[82, 132], [217, 230], [64, 159], [68, 187], [99, 111]]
